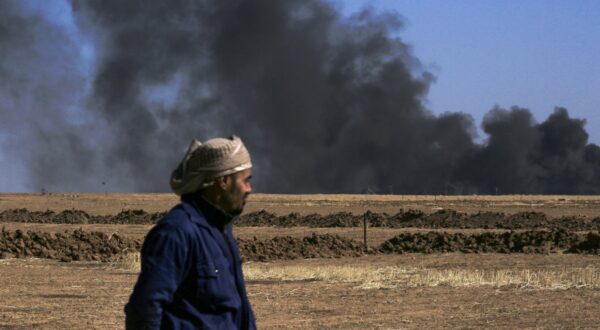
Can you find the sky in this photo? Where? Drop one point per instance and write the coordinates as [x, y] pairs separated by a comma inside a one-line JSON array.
[[533, 54]]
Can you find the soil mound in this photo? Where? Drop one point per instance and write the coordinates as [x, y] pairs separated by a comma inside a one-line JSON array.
[[132, 217], [257, 219], [408, 218], [590, 245], [24, 215], [98, 246], [79, 245], [72, 217], [524, 220], [418, 219], [286, 247], [289, 220], [80, 217], [67, 246], [402, 219], [509, 242]]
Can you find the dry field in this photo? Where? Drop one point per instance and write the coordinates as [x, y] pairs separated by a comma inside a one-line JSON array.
[[100, 203], [391, 291]]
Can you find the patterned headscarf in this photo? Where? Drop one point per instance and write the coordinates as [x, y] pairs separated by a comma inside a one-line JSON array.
[[204, 162]]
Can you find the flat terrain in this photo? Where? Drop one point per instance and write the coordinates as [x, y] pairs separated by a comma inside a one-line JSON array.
[[103, 204], [52, 295], [46, 294]]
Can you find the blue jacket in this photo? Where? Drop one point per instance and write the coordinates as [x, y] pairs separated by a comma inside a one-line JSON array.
[[191, 276]]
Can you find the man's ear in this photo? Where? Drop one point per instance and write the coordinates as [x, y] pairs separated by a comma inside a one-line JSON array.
[[223, 181]]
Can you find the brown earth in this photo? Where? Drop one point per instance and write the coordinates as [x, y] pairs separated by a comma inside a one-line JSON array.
[[402, 219], [98, 246], [67, 246], [375, 235], [125, 217], [113, 203], [43, 293]]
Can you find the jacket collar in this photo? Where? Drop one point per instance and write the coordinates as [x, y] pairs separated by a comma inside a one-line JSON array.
[[213, 216]]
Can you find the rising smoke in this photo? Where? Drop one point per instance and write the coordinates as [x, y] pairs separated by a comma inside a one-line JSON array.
[[325, 104], [41, 82]]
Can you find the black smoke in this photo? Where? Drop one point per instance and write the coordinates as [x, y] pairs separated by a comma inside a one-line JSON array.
[[325, 103], [521, 156], [40, 83]]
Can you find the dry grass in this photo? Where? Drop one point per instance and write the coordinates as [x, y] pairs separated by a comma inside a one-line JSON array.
[[372, 277], [130, 263], [407, 277]]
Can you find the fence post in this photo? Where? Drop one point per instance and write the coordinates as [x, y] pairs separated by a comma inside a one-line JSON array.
[[365, 231]]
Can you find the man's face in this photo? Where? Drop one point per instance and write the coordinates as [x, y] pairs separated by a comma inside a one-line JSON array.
[[237, 189]]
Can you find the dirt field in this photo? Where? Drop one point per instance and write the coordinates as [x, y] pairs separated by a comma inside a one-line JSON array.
[[48, 294], [101, 204]]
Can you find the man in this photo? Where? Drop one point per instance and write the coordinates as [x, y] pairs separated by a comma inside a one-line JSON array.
[[191, 275]]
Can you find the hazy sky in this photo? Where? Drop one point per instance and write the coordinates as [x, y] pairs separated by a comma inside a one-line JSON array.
[[533, 54], [537, 54]]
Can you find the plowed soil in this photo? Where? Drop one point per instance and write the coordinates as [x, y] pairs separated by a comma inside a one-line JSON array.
[[98, 246], [402, 219], [68, 246], [57, 252]]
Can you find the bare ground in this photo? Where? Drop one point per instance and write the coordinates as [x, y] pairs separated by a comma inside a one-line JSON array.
[[47, 294], [51, 295], [103, 204]]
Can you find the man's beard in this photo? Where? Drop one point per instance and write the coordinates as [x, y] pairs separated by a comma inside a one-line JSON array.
[[237, 210]]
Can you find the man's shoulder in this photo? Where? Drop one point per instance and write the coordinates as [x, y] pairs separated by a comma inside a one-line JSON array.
[[175, 225], [182, 216]]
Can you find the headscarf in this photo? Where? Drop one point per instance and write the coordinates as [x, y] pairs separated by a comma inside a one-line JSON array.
[[204, 162]]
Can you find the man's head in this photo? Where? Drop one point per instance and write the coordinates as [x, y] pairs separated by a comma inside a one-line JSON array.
[[230, 191], [220, 169]]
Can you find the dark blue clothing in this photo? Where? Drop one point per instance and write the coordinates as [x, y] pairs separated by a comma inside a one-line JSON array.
[[191, 275]]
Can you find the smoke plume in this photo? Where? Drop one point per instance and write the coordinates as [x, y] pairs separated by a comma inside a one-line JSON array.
[[325, 103], [40, 84]]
